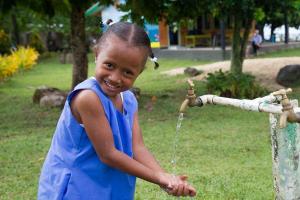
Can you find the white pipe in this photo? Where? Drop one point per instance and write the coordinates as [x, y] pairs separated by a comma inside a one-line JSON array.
[[269, 99], [285, 139], [263, 104]]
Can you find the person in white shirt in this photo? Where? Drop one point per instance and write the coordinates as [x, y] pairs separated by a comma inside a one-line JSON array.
[[256, 42]]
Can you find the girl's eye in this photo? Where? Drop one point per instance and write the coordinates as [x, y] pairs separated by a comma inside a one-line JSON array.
[[109, 65], [128, 73]]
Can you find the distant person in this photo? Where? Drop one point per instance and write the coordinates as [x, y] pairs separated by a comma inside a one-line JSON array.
[[256, 42], [97, 150]]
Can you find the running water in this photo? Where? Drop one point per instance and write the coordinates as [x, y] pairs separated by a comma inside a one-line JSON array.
[[175, 144]]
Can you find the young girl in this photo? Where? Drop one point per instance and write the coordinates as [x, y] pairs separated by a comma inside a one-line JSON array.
[[97, 150]]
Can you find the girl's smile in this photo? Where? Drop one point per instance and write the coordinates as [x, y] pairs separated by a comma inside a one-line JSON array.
[[111, 86]]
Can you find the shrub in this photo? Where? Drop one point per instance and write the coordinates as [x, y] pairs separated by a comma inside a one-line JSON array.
[[4, 43], [23, 58], [35, 41], [27, 57], [231, 85], [8, 66]]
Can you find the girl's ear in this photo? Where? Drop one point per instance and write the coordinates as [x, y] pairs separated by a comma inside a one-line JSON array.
[[96, 52]]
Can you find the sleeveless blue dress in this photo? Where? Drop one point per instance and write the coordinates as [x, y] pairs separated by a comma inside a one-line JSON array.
[[72, 170]]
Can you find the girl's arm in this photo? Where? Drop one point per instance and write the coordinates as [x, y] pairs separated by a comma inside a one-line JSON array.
[[143, 155], [88, 110], [140, 151]]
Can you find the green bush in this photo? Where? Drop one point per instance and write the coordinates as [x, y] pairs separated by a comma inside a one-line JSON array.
[[4, 43], [20, 59], [35, 41], [227, 84]]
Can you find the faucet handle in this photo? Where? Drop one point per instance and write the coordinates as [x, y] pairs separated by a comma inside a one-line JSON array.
[[282, 92], [190, 82], [285, 102]]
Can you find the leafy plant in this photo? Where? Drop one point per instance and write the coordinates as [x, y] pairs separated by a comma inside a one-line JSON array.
[[4, 43], [27, 57], [35, 41], [228, 84], [23, 58], [8, 66]]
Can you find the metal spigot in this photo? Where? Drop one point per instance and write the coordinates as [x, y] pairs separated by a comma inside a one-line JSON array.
[[288, 113], [191, 99]]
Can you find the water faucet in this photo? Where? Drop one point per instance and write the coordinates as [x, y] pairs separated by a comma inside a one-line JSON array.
[[288, 113], [191, 99]]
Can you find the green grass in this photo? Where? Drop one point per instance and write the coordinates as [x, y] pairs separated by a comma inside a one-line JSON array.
[[282, 53], [225, 152]]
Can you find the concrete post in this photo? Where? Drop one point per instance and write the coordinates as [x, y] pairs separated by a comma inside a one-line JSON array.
[[285, 156]]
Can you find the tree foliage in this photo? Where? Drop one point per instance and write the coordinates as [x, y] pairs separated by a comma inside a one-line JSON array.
[[241, 12], [154, 10], [51, 12], [279, 12], [76, 12]]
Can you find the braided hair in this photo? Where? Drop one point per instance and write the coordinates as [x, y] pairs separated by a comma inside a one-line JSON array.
[[131, 33]]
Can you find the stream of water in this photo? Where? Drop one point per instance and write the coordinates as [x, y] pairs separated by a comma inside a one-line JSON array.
[[175, 145]]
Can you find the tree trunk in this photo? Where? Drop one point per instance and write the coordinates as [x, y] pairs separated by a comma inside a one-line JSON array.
[[273, 27], [244, 41], [223, 38], [261, 31], [15, 31], [286, 27], [78, 46], [239, 45], [236, 62]]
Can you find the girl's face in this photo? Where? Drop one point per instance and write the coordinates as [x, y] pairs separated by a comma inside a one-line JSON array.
[[118, 65]]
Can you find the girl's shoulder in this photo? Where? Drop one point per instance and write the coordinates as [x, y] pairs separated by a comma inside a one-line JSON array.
[[130, 100], [88, 84]]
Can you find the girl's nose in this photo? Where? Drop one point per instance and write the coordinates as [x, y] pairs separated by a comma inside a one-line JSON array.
[[115, 77]]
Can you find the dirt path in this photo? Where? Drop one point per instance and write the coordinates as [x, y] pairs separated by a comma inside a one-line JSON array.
[[264, 69]]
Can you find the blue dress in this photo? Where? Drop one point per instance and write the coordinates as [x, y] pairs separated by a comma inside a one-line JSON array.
[[72, 170]]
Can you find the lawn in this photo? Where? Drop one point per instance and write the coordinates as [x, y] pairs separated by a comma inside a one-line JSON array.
[[281, 53], [225, 152]]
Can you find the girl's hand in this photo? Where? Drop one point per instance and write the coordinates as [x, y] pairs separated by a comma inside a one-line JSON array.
[[176, 185], [188, 190], [167, 181]]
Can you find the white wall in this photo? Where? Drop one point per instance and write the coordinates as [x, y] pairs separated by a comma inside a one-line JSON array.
[[294, 33]]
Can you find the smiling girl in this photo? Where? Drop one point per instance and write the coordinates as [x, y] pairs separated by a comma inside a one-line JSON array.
[[97, 150]]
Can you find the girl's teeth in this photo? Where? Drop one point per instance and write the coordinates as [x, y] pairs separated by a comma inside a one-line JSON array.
[[111, 86]]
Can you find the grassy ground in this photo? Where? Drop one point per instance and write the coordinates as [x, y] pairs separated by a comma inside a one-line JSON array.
[[281, 53], [225, 152]]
